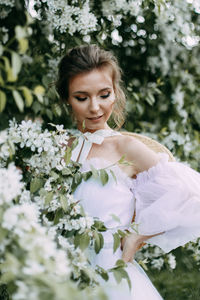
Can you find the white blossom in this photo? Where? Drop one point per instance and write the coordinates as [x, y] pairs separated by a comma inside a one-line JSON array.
[[10, 184], [110, 8], [71, 18], [157, 263], [10, 3], [171, 260]]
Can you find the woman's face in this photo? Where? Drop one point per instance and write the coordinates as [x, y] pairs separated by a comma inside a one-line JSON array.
[[91, 96]]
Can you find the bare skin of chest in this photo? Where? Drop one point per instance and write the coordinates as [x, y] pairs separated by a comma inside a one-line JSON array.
[[109, 151]]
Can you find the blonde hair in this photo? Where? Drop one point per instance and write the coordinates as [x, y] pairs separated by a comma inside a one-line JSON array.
[[86, 58]]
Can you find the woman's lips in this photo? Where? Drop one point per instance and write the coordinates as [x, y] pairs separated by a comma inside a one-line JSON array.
[[95, 118]]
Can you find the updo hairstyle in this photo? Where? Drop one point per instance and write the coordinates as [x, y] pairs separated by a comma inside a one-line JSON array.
[[86, 58]]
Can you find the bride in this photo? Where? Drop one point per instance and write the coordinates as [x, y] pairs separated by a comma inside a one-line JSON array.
[[163, 195]]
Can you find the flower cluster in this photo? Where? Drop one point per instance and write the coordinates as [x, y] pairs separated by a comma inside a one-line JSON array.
[[155, 258], [116, 10], [43, 220], [10, 184], [110, 8], [72, 18], [48, 148], [28, 246]]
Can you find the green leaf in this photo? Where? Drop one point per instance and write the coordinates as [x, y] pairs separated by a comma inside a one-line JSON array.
[[121, 233], [23, 45], [16, 63], [103, 273], [103, 176], [87, 175], [115, 218], [58, 215], [76, 181], [74, 143], [125, 275], [54, 175], [135, 95], [27, 95], [117, 275], [78, 178], [48, 198], [63, 201], [99, 225], [95, 172], [36, 184], [113, 175], [68, 155], [150, 99], [117, 241], [143, 264], [8, 69], [120, 263], [18, 100], [99, 241], [1, 79], [1, 49], [57, 109], [83, 124], [121, 159], [2, 101], [82, 241], [66, 171]]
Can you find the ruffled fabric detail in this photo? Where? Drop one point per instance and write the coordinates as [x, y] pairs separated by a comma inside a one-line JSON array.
[[144, 176], [168, 200]]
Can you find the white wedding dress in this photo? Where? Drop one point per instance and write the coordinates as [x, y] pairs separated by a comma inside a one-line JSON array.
[[166, 198]]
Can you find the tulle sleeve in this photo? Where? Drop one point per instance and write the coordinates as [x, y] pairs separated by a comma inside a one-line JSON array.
[[168, 200]]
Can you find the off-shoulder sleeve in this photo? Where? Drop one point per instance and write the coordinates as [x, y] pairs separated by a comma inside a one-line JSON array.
[[168, 200]]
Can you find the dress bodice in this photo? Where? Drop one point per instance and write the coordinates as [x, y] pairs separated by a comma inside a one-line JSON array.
[[112, 203]]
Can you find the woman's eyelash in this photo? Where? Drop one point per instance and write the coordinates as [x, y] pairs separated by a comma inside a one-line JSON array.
[[106, 96], [83, 99]]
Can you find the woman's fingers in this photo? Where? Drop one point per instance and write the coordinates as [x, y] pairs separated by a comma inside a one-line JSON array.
[[130, 246], [128, 252]]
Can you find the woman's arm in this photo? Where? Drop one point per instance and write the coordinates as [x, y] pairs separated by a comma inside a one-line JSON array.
[[143, 158], [137, 152], [167, 201]]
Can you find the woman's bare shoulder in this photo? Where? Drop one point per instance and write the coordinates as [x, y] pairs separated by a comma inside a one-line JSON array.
[[136, 151]]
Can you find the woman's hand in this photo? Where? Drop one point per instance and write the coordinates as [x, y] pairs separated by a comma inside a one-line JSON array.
[[130, 244]]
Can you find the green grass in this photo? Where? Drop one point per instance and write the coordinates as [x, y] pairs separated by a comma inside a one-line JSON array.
[[183, 283]]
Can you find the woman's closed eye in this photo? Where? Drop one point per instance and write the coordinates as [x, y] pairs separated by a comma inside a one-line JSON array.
[[84, 98], [105, 96], [81, 98]]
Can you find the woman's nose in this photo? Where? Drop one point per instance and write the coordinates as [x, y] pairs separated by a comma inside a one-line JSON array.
[[94, 105]]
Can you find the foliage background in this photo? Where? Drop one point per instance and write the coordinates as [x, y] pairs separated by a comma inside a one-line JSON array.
[[157, 44]]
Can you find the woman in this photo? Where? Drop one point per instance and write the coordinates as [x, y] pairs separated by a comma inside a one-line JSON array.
[[165, 196]]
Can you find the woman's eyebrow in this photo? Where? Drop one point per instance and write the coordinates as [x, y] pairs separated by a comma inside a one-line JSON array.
[[83, 92]]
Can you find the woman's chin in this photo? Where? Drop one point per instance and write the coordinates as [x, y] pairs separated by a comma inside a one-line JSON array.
[[93, 127]]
